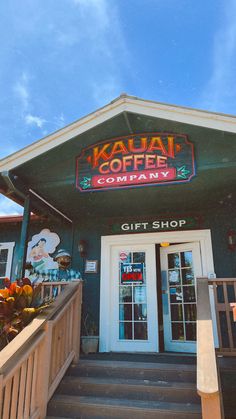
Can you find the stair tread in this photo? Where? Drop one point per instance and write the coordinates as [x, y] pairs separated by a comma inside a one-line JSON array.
[[134, 365], [128, 381], [128, 404]]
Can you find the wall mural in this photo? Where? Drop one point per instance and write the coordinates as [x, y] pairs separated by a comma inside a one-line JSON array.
[[39, 249]]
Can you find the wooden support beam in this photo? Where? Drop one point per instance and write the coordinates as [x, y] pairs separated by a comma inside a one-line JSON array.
[[23, 239]]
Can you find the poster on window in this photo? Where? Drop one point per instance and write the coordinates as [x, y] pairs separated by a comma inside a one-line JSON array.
[[131, 273]]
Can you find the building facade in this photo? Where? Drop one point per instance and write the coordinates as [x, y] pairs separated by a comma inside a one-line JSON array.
[[143, 196]]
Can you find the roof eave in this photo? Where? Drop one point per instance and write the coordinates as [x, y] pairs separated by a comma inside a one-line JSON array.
[[123, 103]]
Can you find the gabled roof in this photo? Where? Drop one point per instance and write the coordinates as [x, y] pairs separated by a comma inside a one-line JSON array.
[[123, 103]]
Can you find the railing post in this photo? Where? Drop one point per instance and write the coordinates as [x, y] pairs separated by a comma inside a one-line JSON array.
[[44, 370], [77, 323], [207, 374], [1, 392]]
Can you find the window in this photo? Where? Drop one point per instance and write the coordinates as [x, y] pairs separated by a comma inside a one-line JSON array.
[[6, 253]]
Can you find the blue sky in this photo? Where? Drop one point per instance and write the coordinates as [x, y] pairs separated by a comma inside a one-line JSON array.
[[61, 59]]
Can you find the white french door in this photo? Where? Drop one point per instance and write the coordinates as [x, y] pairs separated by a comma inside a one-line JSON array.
[[180, 265], [133, 323]]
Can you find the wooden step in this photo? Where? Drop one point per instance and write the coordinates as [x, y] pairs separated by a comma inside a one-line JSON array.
[[135, 370], [129, 388], [102, 407]]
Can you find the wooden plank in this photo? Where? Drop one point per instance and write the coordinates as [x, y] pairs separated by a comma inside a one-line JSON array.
[[227, 306], [15, 391], [7, 400], [34, 381], [21, 397], [28, 387], [1, 394]]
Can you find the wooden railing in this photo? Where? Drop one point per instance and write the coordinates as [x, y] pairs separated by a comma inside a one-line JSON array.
[[224, 290], [33, 364], [207, 375]]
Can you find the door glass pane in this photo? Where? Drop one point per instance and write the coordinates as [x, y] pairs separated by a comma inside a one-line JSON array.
[[140, 330], [188, 276], [173, 260], [140, 294], [190, 312], [177, 331], [174, 277], [176, 312], [176, 295], [125, 312], [139, 257], [186, 259], [133, 312], [125, 330], [140, 312], [126, 294], [189, 294], [191, 331]]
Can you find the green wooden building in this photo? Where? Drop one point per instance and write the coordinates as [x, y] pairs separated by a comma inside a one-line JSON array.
[[143, 196]]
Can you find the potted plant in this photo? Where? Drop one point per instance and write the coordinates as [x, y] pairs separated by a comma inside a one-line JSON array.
[[89, 341]]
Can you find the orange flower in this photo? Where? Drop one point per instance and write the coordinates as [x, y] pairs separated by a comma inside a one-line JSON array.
[[28, 290], [15, 289], [4, 293]]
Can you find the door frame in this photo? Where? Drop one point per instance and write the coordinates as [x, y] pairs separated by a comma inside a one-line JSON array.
[[185, 236]]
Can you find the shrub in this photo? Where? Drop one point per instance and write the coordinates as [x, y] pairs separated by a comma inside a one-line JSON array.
[[20, 302]]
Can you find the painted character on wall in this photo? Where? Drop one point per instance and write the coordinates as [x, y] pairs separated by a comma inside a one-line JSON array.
[[39, 249]]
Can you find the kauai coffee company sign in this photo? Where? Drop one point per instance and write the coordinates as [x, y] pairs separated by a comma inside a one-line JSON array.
[[135, 160]]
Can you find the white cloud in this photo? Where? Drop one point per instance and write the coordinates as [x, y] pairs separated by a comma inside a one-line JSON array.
[[34, 120], [221, 88], [22, 91], [9, 207]]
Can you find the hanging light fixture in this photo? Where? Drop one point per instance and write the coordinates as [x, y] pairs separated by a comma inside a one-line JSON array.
[[164, 244]]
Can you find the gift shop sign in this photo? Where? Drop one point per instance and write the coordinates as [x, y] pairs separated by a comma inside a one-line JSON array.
[[135, 160]]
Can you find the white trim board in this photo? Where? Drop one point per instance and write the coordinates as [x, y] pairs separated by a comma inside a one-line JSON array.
[[123, 103], [201, 236]]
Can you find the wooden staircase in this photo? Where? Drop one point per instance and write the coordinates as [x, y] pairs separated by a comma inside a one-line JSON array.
[[105, 388]]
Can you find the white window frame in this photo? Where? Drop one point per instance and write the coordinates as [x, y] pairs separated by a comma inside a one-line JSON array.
[[10, 247]]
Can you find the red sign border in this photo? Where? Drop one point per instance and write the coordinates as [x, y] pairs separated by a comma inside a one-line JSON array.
[[138, 185]]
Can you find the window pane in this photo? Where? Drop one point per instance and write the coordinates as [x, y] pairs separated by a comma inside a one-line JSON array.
[[140, 330], [189, 294], [125, 330], [177, 331], [176, 295], [3, 267], [174, 276], [176, 312], [173, 260], [125, 312], [3, 255], [126, 294], [140, 312], [186, 259]]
